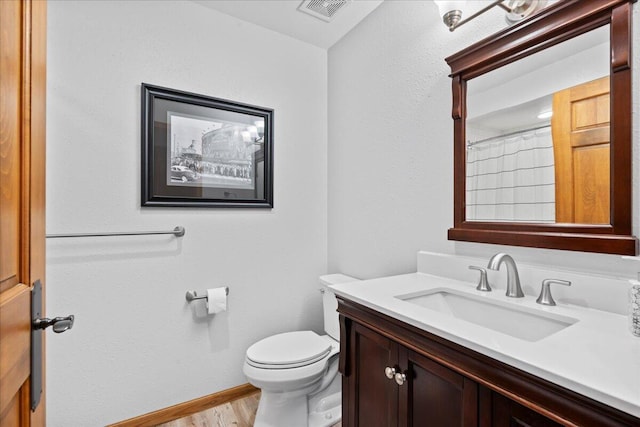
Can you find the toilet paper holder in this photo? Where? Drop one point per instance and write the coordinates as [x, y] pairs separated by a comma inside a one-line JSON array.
[[193, 295]]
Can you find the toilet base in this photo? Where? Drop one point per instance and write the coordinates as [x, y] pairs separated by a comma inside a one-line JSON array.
[[321, 410], [329, 416], [277, 410], [325, 409]]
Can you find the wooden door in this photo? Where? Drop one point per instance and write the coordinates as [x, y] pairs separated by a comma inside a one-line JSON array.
[[435, 396], [22, 200], [372, 397], [581, 141]]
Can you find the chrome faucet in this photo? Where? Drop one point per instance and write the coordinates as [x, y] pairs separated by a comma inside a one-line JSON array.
[[513, 280]]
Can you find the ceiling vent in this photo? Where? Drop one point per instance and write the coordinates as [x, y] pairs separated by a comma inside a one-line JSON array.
[[322, 9]]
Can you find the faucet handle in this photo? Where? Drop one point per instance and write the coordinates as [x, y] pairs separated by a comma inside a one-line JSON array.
[[545, 297], [483, 283]]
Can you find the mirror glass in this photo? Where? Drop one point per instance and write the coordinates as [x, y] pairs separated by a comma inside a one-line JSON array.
[[538, 136]]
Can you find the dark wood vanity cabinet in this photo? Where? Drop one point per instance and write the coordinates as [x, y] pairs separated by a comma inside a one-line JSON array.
[[506, 412], [390, 385], [373, 398], [397, 375], [433, 395]]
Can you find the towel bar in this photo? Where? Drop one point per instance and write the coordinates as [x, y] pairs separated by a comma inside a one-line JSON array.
[[178, 232]]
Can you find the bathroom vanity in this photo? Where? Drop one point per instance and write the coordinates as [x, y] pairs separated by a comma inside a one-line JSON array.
[[428, 349], [406, 361]]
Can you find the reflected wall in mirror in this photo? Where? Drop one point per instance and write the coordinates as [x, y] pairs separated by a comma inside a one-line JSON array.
[[537, 136], [542, 131]]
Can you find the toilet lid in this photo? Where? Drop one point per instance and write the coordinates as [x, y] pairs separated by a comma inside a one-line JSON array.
[[289, 350]]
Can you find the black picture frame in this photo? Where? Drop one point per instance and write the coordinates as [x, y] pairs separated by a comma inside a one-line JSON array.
[[200, 151]]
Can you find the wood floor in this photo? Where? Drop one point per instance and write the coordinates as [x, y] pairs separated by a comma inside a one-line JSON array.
[[239, 413]]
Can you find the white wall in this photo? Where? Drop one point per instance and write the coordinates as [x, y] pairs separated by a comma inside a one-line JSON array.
[[391, 150], [137, 346]]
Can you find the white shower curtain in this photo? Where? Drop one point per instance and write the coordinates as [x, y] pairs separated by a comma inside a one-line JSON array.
[[512, 178]]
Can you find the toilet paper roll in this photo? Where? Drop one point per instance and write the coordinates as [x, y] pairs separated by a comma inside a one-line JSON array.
[[216, 300]]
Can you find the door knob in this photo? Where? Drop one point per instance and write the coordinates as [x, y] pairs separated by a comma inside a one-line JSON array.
[[60, 324], [400, 378], [389, 372]]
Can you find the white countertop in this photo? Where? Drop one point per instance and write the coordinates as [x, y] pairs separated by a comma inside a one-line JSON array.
[[597, 356]]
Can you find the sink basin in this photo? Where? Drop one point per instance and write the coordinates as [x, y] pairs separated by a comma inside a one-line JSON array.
[[519, 322]]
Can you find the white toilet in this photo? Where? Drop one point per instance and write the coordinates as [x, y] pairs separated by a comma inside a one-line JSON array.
[[298, 371]]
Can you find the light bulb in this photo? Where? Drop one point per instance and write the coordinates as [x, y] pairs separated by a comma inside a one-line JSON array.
[[450, 11], [445, 6]]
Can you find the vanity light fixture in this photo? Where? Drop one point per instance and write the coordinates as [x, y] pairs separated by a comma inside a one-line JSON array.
[[545, 115], [517, 10]]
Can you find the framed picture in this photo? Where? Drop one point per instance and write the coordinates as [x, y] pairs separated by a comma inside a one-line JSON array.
[[205, 152]]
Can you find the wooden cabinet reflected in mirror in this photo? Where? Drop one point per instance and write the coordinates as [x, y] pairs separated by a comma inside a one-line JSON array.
[[542, 132]]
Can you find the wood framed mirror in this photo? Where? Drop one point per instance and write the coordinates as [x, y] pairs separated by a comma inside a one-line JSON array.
[[576, 193]]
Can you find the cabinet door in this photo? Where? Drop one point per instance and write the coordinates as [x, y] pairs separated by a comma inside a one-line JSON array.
[[507, 413], [435, 396], [373, 398]]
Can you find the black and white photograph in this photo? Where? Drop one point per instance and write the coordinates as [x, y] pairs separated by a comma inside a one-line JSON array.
[[204, 151], [213, 153]]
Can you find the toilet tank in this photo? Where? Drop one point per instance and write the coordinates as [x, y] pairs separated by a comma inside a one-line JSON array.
[[330, 303]]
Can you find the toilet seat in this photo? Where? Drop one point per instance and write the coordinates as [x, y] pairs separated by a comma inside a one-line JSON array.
[[288, 350]]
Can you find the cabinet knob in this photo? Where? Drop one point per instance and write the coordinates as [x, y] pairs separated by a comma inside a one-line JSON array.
[[400, 378], [389, 372]]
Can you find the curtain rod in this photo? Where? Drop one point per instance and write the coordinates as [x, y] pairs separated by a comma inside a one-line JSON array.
[[178, 232], [471, 144]]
